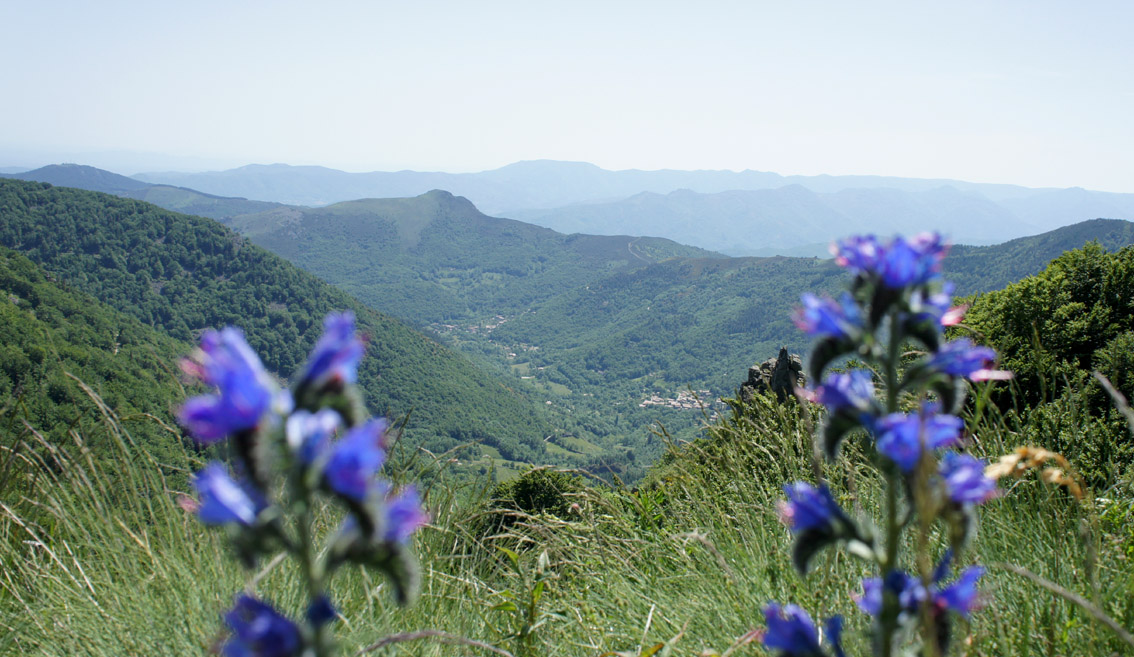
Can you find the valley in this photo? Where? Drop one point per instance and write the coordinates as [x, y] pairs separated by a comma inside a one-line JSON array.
[[615, 346]]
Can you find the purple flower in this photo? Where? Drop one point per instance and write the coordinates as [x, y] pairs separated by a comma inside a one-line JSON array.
[[964, 479], [808, 507], [933, 306], [260, 631], [912, 262], [853, 390], [961, 596], [223, 500], [245, 391], [909, 589], [826, 317], [793, 633], [321, 611], [898, 263], [337, 353], [858, 253], [901, 436], [962, 358], [308, 434], [355, 460], [404, 516]]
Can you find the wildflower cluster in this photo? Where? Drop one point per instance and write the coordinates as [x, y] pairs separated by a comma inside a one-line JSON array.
[[291, 446], [897, 301]]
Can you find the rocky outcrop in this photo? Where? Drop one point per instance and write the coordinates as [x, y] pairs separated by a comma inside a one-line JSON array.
[[781, 375]]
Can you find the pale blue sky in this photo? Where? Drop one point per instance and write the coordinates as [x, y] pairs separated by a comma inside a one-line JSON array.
[[1034, 93]]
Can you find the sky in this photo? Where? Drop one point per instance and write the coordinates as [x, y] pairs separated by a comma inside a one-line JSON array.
[[1033, 93]]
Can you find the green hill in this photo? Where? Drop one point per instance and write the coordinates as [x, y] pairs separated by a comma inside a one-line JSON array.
[[81, 176], [189, 201], [178, 199], [986, 268], [613, 340], [182, 274], [436, 258], [49, 330]]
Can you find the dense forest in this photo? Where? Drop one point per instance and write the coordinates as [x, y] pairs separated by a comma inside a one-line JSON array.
[[182, 274]]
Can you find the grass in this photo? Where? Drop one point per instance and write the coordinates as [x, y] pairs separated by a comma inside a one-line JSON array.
[[689, 558]]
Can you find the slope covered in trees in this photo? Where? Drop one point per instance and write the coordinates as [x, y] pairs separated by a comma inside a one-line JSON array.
[[1052, 330], [183, 274], [52, 337], [436, 258]]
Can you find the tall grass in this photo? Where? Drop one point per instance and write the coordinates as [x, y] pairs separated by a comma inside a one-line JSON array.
[[102, 560]]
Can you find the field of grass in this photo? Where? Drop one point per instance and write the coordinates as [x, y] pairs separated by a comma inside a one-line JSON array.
[[688, 558]]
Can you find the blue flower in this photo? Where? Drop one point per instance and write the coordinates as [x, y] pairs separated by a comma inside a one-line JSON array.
[[337, 353], [858, 253], [245, 391], [898, 263], [223, 500], [933, 306], [808, 507], [403, 516], [961, 596], [260, 631], [308, 434], [826, 317], [913, 262], [793, 633], [964, 479], [356, 459], [962, 358], [791, 630], [909, 589], [853, 390], [321, 611], [901, 436]]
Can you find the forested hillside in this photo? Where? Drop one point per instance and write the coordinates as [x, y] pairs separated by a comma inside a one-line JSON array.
[[985, 268], [436, 258], [182, 274], [178, 199], [49, 330]]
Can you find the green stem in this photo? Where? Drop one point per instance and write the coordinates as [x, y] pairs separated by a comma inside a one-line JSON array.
[[312, 573], [891, 607]]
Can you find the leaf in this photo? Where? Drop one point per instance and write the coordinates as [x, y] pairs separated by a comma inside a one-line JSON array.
[[512, 557], [807, 544], [925, 331], [837, 426], [405, 576], [825, 351], [505, 606], [951, 391]]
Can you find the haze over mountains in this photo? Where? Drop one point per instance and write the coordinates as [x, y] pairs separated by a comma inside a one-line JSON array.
[[738, 213], [575, 337]]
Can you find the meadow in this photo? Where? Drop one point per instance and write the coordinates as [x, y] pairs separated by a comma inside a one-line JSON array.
[[105, 560]]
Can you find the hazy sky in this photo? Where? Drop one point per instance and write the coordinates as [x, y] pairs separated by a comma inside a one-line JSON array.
[[1034, 93]]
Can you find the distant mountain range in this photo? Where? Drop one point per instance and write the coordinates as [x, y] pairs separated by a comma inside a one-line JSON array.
[[178, 199], [739, 213], [588, 326]]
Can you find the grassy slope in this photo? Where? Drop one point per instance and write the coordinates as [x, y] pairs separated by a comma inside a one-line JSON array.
[[182, 274], [697, 558]]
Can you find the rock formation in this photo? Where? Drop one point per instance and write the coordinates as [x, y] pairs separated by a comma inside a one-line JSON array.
[[781, 375]]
